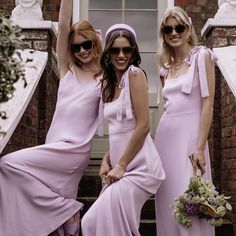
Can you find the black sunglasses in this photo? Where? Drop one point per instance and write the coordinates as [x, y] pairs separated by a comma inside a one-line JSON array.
[[169, 29], [125, 50], [86, 45]]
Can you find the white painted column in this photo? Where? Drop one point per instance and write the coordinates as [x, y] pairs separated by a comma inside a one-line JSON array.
[[170, 3], [76, 11]]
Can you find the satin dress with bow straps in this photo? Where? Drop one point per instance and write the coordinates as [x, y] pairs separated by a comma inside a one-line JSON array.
[[117, 210], [176, 139], [39, 185]]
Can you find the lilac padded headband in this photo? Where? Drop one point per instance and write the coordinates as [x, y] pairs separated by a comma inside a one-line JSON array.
[[120, 27]]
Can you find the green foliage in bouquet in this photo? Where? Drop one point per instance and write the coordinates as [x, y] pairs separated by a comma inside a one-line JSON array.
[[201, 199]]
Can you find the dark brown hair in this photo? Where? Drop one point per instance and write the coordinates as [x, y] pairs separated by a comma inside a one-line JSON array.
[[109, 79]]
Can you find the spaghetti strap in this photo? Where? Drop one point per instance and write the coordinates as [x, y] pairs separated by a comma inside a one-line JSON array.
[[196, 60], [202, 70], [125, 95]]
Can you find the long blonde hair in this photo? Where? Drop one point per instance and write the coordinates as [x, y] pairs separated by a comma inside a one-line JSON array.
[[166, 53]]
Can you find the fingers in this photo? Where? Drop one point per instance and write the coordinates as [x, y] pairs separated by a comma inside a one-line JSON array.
[[198, 165], [113, 176], [106, 179], [202, 166]]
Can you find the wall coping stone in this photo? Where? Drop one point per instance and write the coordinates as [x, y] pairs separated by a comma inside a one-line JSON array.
[[16, 106], [220, 22], [26, 24], [227, 64]]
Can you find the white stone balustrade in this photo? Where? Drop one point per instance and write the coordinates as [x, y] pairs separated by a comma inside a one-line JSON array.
[[227, 64], [16, 106]]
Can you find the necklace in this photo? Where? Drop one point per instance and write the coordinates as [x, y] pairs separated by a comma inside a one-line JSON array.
[[178, 65]]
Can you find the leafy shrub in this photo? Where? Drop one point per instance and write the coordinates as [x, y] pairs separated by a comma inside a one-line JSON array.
[[11, 68]]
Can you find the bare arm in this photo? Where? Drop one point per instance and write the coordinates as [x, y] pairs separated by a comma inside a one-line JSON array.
[[139, 97], [206, 114], [63, 35]]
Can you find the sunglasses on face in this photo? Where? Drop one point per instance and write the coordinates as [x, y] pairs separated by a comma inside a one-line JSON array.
[[169, 29], [125, 50], [86, 45]]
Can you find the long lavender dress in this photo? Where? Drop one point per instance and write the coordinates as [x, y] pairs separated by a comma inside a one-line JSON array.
[[38, 185], [117, 210], [176, 138]]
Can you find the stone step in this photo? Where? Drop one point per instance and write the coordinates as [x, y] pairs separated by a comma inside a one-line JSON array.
[[147, 227], [148, 211]]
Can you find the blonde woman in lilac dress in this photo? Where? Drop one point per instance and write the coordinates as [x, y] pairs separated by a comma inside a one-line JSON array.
[[187, 74], [39, 185], [132, 170]]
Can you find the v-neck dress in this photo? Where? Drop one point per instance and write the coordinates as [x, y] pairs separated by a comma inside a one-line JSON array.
[[176, 139], [117, 210], [39, 185]]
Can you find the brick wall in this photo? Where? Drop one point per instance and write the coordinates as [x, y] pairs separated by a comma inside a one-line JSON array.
[[199, 11], [228, 145], [221, 37], [223, 132]]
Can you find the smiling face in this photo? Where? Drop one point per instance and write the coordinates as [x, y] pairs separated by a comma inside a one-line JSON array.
[[173, 38], [120, 54], [85, 52]]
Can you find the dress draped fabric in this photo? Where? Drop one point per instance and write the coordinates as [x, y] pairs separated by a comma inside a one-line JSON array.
[[39, 185], [176, 139]]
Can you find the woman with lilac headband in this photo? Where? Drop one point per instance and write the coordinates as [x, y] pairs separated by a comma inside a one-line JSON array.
[[187, 76], [131, 170]]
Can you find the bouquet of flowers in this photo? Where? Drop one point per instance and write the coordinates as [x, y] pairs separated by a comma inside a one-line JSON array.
[[201, 199]]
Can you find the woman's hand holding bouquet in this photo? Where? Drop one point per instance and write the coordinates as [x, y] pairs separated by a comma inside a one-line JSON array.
[[202, 200]]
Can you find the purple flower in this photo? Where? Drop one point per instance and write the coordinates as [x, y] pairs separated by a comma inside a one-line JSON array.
[[191, 208]]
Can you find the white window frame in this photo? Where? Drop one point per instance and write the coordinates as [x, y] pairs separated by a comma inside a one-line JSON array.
[[80, 12]]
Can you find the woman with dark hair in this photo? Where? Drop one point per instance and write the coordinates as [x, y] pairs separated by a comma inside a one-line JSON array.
[[187, 74], [131, 170], [39, 185]]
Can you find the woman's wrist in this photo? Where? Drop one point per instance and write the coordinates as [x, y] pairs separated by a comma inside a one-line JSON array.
[[121, 167], [200, 149]]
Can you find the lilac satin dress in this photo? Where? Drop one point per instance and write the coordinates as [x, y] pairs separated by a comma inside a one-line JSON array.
[[39, 185], [176, 139], [117, 210]]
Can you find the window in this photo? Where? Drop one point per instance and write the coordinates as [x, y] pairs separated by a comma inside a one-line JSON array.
[[142, 16]]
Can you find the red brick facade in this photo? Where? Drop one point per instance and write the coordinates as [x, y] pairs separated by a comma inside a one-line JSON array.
[[199, 11]]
